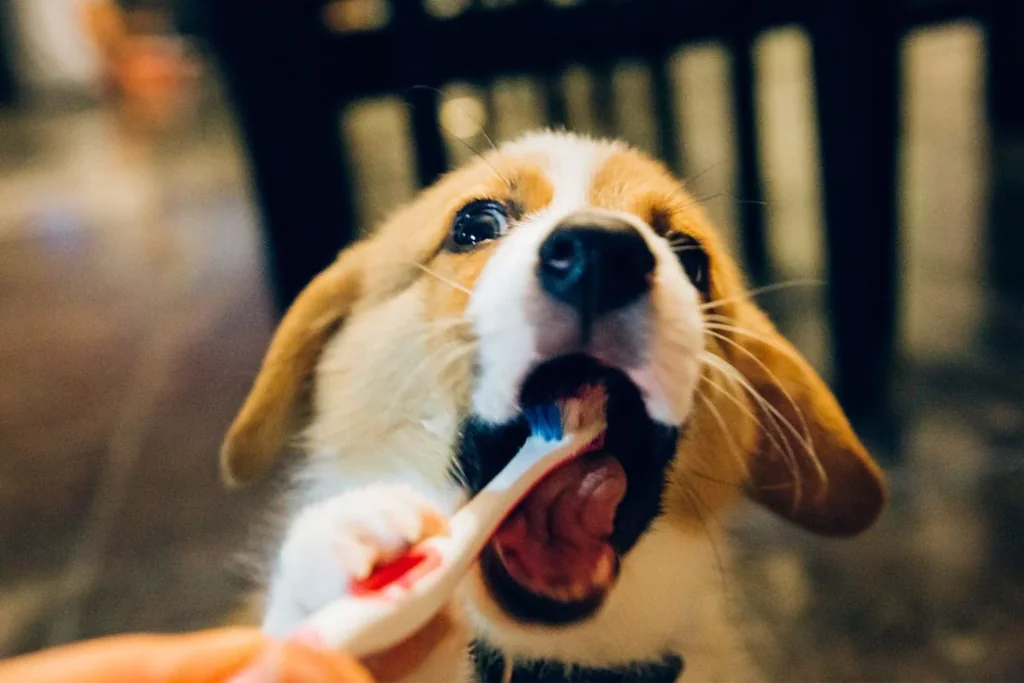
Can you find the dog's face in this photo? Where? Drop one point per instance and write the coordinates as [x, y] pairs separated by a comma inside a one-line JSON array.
[[551, 267]]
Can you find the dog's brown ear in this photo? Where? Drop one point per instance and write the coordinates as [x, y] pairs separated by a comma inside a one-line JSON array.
[[813, 471], [259, 431]]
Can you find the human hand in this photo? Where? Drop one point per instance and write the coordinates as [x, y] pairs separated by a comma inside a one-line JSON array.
[[215, 656]]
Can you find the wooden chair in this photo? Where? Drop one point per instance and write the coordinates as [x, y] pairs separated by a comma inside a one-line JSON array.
[[288, 72]]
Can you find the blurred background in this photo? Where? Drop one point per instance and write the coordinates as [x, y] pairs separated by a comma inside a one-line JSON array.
[[172, 173]]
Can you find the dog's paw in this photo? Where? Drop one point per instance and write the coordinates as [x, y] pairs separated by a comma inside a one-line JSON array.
[[338, 541]]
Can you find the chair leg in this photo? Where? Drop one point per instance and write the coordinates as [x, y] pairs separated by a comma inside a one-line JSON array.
[[268, 53], [1005, 65], [665, 110], [603, 99], [557, 111], [750, 205], [857, 85], [424, 113], [1006, 115], [8, 79]]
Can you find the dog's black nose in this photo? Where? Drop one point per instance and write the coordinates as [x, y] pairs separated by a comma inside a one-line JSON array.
[[596, 264]]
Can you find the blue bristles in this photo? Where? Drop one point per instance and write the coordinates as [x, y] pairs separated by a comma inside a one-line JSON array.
[[545, 421]]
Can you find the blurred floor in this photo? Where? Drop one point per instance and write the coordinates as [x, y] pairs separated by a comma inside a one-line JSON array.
[[133, 314], [132, 317]]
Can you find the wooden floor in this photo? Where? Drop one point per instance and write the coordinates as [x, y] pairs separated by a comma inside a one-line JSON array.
[[134, 310]]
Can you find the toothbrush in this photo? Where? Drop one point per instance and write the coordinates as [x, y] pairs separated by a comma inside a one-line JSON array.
[[401, 597]]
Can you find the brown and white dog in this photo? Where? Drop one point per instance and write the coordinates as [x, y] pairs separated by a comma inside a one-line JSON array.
[[554, 262]]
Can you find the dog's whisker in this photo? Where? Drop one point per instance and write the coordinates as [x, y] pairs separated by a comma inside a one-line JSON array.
[[771, 413], [497, 152], [441, 278], [694, 498], [722, 323], [701, 174], [770, 434], [746, 410], [507, 178], [711, 331], [681, 209], [758, 291], [808, 441], [780, 425], [737, 378], [805, 440], [736, 450]]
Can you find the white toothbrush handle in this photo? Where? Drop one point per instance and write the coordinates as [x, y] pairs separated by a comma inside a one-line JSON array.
[[372, 621]]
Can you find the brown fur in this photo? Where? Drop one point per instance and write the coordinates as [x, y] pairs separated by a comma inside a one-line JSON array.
[[846, 500], [798, 456]]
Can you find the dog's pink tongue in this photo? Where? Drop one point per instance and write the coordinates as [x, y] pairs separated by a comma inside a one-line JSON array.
[[555, 541]]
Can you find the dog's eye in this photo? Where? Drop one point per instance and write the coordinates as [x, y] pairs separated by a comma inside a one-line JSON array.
[[694, 260], [476, 223]]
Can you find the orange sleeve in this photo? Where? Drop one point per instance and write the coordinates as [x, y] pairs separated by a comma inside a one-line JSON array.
[[213, 656]]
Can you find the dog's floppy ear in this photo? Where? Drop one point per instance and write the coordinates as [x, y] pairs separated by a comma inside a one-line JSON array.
[[814, 471], [379, 265], [259, 431]]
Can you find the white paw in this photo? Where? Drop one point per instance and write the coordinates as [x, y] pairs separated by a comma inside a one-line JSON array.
[[334, 543]]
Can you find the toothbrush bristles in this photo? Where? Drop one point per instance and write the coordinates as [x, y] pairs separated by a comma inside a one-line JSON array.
[[545, 421], [551, 421]]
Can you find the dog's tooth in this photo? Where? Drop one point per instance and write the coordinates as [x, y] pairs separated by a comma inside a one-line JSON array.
[[573, 591], [583, 410], [571, 414], [603, 570], [592, 402], [499, 551]]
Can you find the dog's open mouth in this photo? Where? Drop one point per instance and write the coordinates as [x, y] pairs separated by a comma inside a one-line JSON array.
[[556, 546], [557, 555]]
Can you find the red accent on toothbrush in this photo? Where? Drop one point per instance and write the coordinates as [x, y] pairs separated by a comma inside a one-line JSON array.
[[595, 445], [402, 572]]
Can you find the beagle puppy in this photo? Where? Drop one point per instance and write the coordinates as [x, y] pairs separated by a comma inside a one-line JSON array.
[[552, 263]]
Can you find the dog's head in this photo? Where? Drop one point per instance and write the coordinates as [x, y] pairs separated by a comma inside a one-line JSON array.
[[554, 264]]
